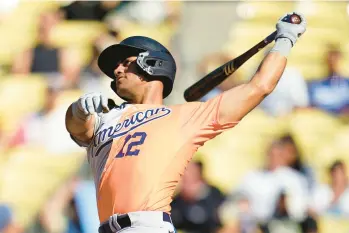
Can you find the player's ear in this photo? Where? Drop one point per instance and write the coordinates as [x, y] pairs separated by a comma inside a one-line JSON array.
[[143, 77]]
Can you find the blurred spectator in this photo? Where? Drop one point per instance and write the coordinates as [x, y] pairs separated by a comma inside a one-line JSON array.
[[210, 63], [247, 223], [56, 63], [331, 93], [195, 208], [281, 207], [7, 224], [59, 212], [282, 221], [5, 217], [44, 128], [241, 218], [74, 225], [292, 157], [289, 94], [264, 187], [72, 208], [333, 198], [85, 206], [88, 10]]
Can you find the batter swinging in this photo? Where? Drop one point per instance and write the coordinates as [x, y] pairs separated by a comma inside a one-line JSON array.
[[139, 150]]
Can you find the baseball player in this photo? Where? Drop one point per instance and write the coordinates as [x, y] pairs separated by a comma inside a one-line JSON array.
[[139, 150]]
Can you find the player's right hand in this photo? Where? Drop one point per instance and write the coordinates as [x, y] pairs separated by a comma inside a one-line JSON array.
[[89, 104], [289, 30]]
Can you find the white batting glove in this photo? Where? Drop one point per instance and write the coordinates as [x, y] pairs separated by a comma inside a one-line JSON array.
[[289, 30], [89, 104]]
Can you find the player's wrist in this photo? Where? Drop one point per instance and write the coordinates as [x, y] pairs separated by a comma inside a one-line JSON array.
[[287, 34], [282, 46]]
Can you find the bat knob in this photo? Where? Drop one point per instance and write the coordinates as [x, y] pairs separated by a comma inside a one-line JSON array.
[[293, 18]]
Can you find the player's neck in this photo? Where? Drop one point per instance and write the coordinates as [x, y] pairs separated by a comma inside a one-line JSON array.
[[152, 94]]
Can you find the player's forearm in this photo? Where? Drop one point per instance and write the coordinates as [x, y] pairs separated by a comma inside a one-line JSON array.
[[80, 128], [239, 101], [272, 67]]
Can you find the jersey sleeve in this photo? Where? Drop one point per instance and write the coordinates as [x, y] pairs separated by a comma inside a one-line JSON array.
[[98, 122], [202, 120]]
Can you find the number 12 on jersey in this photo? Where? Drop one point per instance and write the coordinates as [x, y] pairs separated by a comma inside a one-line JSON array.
[[130, 150]]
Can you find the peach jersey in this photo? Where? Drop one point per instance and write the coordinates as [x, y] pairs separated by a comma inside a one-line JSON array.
[[139, 152]]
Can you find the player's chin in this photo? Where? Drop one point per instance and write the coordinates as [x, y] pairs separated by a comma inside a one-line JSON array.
[[123, 92]]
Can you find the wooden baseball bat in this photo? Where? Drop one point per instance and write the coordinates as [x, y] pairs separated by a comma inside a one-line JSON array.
[[214, 78]]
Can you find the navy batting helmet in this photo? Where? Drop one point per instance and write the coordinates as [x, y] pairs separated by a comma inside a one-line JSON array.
[[152, 57]]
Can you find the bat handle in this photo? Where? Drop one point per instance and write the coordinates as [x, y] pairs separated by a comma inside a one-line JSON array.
[[270, 38]]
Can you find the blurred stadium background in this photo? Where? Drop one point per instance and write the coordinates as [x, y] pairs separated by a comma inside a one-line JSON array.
[[282, 169]]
